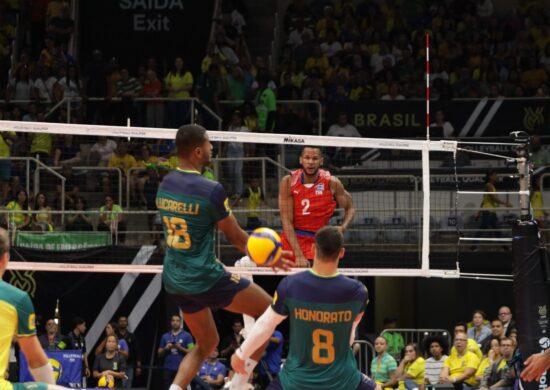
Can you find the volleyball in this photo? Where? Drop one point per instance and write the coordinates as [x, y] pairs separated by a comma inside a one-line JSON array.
[[264, 247], [106, 382]]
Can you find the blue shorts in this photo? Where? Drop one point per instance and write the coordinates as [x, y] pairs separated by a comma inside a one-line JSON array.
[[218, 297], [365, 384]]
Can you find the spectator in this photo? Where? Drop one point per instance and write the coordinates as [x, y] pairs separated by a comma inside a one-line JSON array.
[[479, 331], [152, 88], [67, 152], [140, 178], [212, 374], [434, 363], [395, 340], [6, 141], [539, 156], [472, 346], [20, 88], [393, 93], [460, 368], [122, 160], [534, 76], [70, 85], [79, 220], [497, 331], [103, 149], [499, 374], [61, 27], [331, 46], [238, 87], [492, 355], [44, 85], [266, 104], [76, 340], [342, 128], [377, 60], [31, 115], [133, 362], [18, 216], [233, 341], [297, 11], [51, 340], [42, 219], [111, 219], [209, 87], [383, 366], [72, 188], [254, 199], [111, 362], [127, 88], [271, 362], [235, 152], [411, 369], [296, 35], [440, 122], [174, 345], [505, 315], [179, 83], [122, 347], [317, 60]]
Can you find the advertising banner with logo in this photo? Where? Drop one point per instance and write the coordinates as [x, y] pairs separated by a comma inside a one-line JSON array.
[[62, 241], [159, 29], [67, 368], [532, 296], [469, 118]]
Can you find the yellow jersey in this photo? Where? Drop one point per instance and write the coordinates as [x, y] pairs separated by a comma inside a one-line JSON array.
[[416, 370], [457, 364], [125, 162], [18, 319], [472, 347], [537, 205], [488, 201]]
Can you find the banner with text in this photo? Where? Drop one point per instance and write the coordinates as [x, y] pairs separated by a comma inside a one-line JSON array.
[[469, 118], [62, 241], [160, 29], [67, 368]]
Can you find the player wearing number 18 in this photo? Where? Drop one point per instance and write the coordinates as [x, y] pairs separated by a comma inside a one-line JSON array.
[[191, 208], [324, 309], [307, 199]]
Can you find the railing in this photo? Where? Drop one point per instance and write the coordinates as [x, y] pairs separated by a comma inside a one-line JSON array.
[[364, 351], [290, 102]]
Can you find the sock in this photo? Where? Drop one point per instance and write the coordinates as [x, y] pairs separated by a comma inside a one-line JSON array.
[[238, 381], [173, 386]]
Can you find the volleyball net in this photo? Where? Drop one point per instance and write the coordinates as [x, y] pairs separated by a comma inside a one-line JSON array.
[[416, 202]]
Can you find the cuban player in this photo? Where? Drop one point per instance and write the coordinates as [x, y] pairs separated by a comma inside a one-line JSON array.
[[307, 200], [324, 309], [17, 320]]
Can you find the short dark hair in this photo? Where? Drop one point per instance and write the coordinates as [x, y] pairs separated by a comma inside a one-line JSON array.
[[442, 341], [188, 138], [78, 321], [4, 241], [463, 324], [499, 320], [480, 312], [311, 147], [328, 242]]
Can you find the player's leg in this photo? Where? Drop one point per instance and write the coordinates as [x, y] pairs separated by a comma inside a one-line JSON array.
[[202, 327]]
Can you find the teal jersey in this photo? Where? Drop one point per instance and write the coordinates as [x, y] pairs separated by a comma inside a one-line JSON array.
[[190, 206], [16, 319], [321, 311]]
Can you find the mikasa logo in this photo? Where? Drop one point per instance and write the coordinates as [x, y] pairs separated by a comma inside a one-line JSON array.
[[292, 140]]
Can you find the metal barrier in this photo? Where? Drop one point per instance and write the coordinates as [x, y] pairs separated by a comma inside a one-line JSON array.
[[364, 352]]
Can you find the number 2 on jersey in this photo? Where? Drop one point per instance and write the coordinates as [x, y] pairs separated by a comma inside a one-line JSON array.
[[178, 237], [305, 206], [323, 344]]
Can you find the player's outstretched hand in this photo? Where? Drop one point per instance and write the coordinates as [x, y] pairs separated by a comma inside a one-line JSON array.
[[238, 364], [535, 366], [301, 261], [284, 264]]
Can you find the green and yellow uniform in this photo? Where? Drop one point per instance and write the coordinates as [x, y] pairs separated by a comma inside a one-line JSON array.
[[17, 319]]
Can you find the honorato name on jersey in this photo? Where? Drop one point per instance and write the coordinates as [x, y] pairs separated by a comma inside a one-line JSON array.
[[325, 317], [178, 207]]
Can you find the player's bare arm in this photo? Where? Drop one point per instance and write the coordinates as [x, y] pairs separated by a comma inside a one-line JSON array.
[[233, 232], [286, 208], [344, 200]]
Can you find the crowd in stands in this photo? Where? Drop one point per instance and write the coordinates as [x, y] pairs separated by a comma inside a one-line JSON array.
[[483, 354]]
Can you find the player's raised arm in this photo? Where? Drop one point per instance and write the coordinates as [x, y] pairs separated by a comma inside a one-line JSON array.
[[344, 200], [286, 208], [233, 232]]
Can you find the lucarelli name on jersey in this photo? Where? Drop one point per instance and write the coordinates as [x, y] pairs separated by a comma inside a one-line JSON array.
[[325, 317], [178, 207]]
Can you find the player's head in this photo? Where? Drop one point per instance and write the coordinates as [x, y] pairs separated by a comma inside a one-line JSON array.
[[4, 251], [193, 145], [329, 244], [311, 159]]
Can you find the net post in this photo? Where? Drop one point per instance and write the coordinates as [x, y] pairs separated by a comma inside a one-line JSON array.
[[524, 185], [426, 210]]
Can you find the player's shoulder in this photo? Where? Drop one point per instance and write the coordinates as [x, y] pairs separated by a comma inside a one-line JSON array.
[[15, 297], [190, 183]]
